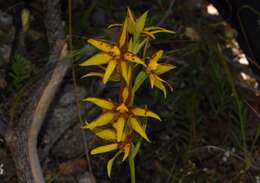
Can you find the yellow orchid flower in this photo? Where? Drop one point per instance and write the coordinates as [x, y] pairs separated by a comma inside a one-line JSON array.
[[120, 116], [154, 69], [138, 25], [121, 122], [113, 55], [123, 146]]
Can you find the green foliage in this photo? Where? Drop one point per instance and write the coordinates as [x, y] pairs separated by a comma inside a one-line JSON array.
[[21, 70], [205, 110]]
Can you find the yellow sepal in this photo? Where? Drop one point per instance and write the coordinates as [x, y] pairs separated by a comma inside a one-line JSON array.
[[105, 47], [114, 25], [140, 22], [163, 68], [153, 62], [91, 74], [102, 120], [123, 36], [152, 80], [110, 164], [104, 149], [143, 112], [130, 21], [161, 86], [105, 104], [119, 126], [106, 134], [133, 58], [109, 70], [97, 59], [136, 126]]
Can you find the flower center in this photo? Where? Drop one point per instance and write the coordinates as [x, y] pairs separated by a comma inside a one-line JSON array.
[[122, 108], [153, 66], [115, 51]]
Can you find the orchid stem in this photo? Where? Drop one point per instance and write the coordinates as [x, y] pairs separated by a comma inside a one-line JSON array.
[[132, 169], [132, 160]]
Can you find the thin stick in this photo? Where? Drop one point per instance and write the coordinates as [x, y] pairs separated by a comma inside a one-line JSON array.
[[76, 91], [252, 108], [167, 13], [3, 128]]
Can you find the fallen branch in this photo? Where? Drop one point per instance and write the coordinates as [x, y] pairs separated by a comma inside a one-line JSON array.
[[3, 128], [22, 141]]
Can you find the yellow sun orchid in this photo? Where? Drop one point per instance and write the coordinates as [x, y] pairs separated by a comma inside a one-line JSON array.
[[154, 69], [124, 146], [138, 25], [113, 55], [121, 123], [120, 116]]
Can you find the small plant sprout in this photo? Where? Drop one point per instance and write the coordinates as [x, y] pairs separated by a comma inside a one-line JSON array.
[[122, 124]]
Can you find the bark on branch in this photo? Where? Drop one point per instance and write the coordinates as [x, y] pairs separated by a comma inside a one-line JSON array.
[[22, 140], [3, 128]]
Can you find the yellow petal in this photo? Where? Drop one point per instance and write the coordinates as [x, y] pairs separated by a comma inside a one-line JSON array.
[[119, 126], [130, 46], [127, 149], [114, 76], [123, 36], [114, 25], [110, 164], [104, 149], [125, 94], [105, 104], [130, 21], [133, 58], [124, 136], [98, 74], [162, 30], [131, 26], [155, 28], [136, 126], [105, 47], [149, 34], [140, 22], [161, 86], [130, 14], [159, 83], [106, 134], [97, 59], [102, 120], [138, 111], [154, 59], [151, 28], [109, 70], [124, 70], [163, 68], [152, 80]]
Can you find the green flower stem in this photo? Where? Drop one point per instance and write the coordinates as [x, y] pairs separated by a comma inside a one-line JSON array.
[[131, 160], [132, 169]]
